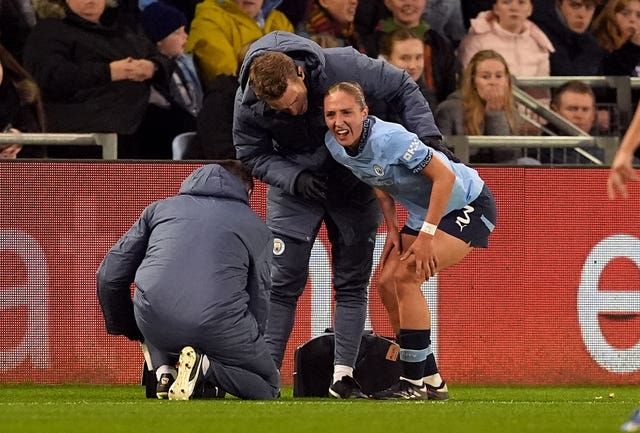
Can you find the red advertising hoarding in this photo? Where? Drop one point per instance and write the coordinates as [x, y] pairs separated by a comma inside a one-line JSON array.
[[554, 300]]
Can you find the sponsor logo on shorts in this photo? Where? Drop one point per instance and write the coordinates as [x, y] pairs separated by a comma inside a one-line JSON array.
[[464, 219], [278, 246]]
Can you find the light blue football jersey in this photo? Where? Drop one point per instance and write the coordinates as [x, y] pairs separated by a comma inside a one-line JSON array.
[[391, 159]]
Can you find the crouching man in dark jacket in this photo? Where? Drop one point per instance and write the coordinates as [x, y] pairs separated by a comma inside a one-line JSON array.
[[200, 261]]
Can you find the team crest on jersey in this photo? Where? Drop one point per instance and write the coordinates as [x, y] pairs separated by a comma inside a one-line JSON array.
[[278, 247], [378, 170]]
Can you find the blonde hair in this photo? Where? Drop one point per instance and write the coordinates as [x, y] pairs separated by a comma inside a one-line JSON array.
[[473, 106], [352, 88]]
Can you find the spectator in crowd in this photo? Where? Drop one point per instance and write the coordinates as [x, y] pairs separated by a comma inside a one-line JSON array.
[[200, 263], [279, 132], [616, 23], [441, 66], [329, 23], [17, 18], [221, 30], [484, 105], [438, 194], [507, 30], [577, 52], [176, 106], [625, 60], [403, 49], [445, 17], [20, 107], [95, 75], [187, 7], [575, 102]]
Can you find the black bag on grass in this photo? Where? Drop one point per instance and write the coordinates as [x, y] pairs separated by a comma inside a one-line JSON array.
[[377, 365]]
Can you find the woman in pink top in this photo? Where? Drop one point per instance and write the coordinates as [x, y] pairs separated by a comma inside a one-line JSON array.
[[507, 30]]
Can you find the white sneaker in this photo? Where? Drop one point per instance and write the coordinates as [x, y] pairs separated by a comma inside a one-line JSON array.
[[189, 374]]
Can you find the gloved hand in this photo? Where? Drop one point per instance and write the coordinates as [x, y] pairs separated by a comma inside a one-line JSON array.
[[311, 187]]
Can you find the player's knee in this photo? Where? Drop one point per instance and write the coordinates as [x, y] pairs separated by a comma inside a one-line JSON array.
[[386, 287]]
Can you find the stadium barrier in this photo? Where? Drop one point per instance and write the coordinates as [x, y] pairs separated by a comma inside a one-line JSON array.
[[554, 300], [462, 144], [108, 141]]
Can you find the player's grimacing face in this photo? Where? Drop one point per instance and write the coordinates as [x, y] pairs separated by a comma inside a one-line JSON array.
[[344, 117]]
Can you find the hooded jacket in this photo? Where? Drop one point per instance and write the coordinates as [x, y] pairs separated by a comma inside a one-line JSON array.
[[200, 257], [278, 146], [575, 53], [221, 30], [526, 53]]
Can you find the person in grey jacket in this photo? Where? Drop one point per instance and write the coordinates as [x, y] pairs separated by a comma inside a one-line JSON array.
[[279, 132], [200, 262]]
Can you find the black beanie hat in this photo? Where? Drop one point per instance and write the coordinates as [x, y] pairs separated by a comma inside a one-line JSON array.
[[159, 20]]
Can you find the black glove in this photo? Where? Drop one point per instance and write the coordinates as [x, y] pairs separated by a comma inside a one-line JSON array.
[[311, 187]]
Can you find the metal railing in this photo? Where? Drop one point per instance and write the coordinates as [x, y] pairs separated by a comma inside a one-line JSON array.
[[622, 85], [462, 143], [108, 141]]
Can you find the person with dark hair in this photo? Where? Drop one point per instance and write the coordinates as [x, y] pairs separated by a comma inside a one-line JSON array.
[[451, 211], [404, 49], [575, 101], [441, 66], [278, 132], [567, 25], [20, 107], [200, 262], [176, 106]]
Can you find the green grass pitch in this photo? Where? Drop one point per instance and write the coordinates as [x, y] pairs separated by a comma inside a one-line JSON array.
[[472, 409]]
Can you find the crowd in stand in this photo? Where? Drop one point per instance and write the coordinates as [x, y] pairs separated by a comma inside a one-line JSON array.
[[153, 69]]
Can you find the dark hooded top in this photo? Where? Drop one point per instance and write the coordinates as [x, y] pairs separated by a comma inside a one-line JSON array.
[[202, 255]]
